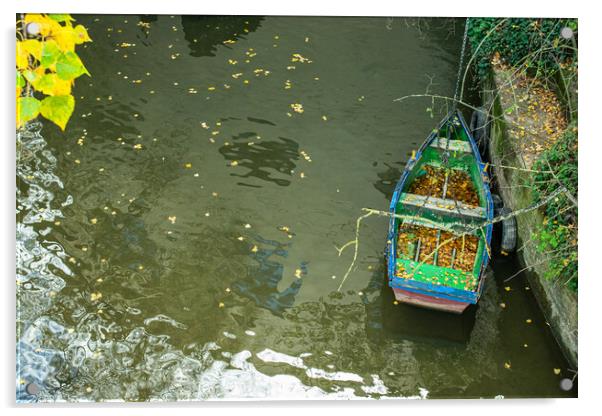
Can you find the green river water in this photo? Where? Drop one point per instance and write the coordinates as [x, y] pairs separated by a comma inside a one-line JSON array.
[[177, 242]]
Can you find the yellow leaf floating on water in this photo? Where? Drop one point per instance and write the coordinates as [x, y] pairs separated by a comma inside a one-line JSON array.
[[172, 219], [528, 321], [93, 220], [298, 108], [557, 371], [507, 288], [95, 296], [234, 163], [507, 365], [297, 57], [188, 165], [305, 155], [255, 249], [221, 305], [138, 146], [298, 273]]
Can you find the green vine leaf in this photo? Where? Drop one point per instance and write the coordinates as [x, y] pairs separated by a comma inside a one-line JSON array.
[[30, 76], [20, 80], [61, 18], [50, 54], [51, 84], [28, 108], [58, 109], [81, 34], [45, 83], [69, 66]]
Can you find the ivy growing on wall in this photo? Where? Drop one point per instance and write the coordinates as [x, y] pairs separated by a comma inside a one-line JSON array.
[[534, 43], [557, 237]]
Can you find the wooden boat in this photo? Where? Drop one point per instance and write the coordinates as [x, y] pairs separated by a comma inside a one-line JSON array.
[[439, 240]]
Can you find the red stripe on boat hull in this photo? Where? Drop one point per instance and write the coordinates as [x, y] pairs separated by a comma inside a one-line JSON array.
[[430, 302]]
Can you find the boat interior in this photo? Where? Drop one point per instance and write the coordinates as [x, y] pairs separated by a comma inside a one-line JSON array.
[[442, 195]]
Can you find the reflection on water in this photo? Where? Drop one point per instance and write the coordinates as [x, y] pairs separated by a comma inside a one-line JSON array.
[[421, 325], [204, 33], [261, 285], [262, 157], [41, 264]]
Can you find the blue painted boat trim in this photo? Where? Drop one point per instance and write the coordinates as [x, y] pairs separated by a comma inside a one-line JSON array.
[[427, 288]]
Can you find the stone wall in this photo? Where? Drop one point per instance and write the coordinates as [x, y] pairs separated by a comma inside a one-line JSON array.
[[559, 304]]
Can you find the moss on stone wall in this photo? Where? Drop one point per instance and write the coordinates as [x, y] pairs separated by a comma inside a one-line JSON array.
[[558, 303]]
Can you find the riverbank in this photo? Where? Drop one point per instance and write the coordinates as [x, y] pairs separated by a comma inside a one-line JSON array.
[[525, 120]]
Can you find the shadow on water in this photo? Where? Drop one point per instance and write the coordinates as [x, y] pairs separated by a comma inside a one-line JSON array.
[[388, 179], [405, 322], [203, 33], [261, 286], [275, 155]]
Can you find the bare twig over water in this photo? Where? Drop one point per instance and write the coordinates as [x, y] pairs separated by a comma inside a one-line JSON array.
[[369, 212]]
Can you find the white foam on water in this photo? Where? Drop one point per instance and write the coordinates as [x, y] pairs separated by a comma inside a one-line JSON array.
[[333, 376], [240, 380], [378, 386], [269, 355], [164, 319]]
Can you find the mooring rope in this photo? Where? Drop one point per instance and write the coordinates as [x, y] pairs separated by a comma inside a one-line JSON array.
[[461, 65]]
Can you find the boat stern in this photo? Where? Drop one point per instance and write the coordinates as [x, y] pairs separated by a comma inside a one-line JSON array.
[[429, 302]]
